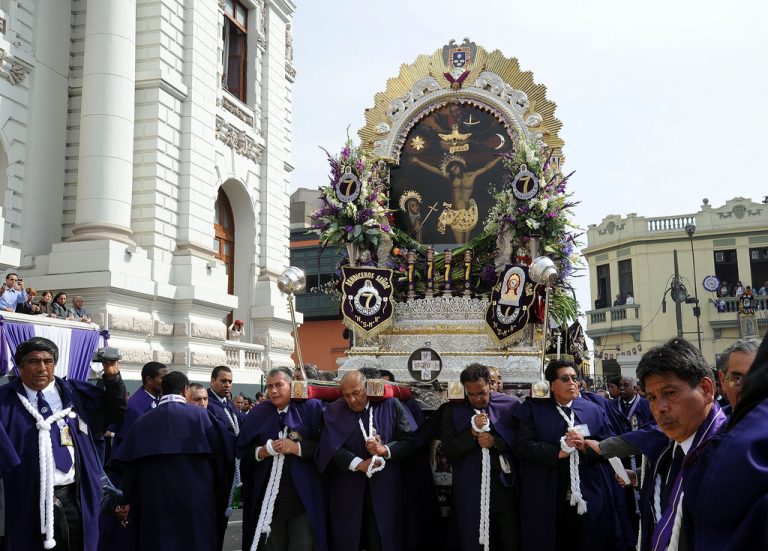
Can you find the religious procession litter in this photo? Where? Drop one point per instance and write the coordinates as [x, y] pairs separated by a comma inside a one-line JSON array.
[[461, 418]]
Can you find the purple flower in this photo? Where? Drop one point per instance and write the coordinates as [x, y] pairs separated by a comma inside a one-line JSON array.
[[359, 165], [363, 215], [345, 153], [350, 228], [373, 196], [385, 227]]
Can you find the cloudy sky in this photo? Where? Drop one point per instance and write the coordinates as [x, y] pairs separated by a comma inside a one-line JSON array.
[[663, 102]]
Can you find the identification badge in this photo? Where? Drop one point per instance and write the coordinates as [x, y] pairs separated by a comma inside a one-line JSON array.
[[583, 429], [82, 426], [66, 436]]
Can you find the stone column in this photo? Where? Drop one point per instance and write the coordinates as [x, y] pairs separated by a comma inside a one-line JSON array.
[[105, 169]]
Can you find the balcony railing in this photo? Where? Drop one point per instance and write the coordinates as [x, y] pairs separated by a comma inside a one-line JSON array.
[[670, 223], [614, 313], [243, 355], [727, 305]]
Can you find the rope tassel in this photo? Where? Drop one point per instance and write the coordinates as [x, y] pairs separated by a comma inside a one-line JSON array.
[[485, 487], [576, 498], [264, 524], [45, 451]]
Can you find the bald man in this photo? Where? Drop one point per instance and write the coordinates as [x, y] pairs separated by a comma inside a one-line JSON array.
[[360, 449], [732, 366]]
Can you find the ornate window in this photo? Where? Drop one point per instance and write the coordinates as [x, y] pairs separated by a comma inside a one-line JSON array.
[[224, 237], [235, 52]]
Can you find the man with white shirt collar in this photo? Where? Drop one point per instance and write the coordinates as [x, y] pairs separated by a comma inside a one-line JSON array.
[[360, 451], [182, 443], [680, 388], [569, 497], [280, 435], [59, 421]]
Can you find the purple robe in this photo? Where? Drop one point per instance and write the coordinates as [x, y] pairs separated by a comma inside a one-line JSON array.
[[261, 424], [607, 406], [176, 477], [347, 488], [114, 536], [22, 483], [216, 407], [694, 472], [605, 525], [637, 416], [734, 496], [468, 469]]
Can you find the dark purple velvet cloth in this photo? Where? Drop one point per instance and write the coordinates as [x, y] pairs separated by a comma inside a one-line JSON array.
[[22, 483], [733, 498], [261, 424], [467, 470], [695, 470], [176, 474], [8, 456], [347, 488], [605, 524], [623, 419], [607, 406]]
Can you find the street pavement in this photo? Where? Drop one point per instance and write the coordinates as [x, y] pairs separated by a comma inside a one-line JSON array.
[[233, 539]]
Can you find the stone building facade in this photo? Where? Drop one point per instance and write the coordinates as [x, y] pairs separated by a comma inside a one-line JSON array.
[[145, 158], [635, 255]]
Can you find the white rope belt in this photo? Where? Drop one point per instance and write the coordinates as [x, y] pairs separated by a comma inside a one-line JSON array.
[[485, 486], [576, 499], [368, 436], [45, 451], [264, 524]]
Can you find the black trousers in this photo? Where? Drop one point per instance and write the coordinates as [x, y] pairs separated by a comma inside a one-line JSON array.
[[369, 535], [67, 519]]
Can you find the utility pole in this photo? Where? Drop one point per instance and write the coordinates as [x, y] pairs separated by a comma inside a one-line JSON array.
[[676, 298]]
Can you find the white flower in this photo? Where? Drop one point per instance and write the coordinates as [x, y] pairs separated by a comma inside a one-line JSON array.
[[370, 222], [533, 224]]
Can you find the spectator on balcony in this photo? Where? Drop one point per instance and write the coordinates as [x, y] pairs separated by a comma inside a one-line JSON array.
[[619, 300], [59, 307], [28, 307], [46, 303], [12, 293], [720, 305], [763, 291], [600, 302], [738, 290], [629, 300], [78, 311], [725, 289]]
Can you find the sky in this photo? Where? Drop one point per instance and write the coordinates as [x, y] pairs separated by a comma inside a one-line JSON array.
[[663, 103]]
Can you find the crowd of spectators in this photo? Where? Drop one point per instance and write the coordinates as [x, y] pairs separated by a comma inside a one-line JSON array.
[[14, 297]]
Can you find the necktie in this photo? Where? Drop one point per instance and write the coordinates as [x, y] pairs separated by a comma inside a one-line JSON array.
[[60, 453], [566, 410], [282, 415], [626, 406], [674, 469]]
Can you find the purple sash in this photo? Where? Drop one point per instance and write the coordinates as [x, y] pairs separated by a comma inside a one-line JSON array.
[[662, 532]]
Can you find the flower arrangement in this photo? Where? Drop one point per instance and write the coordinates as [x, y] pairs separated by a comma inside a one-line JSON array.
[[548, 216], [363, 221]]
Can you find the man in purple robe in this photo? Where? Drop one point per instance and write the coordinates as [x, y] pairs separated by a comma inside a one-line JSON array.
[[733, 364], [360, 449], [568, 495], [680, 389], [478, 438], [282, 488], [59, 421], [733, 511], [145, 398], [190, 454]]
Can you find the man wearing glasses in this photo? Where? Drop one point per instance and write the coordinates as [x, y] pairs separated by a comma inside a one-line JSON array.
[[570, 498], [12, 293], [732, 366]]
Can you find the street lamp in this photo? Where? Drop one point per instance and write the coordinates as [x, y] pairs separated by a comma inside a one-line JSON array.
[[690, 229]]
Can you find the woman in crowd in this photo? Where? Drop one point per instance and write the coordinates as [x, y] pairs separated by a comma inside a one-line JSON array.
[[46, 303], [59, 308]]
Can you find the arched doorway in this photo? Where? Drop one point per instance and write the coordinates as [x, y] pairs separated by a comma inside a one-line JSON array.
[[224, 239]]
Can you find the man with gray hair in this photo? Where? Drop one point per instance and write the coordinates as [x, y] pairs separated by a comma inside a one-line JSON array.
[[282, 488], [732, 366]]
